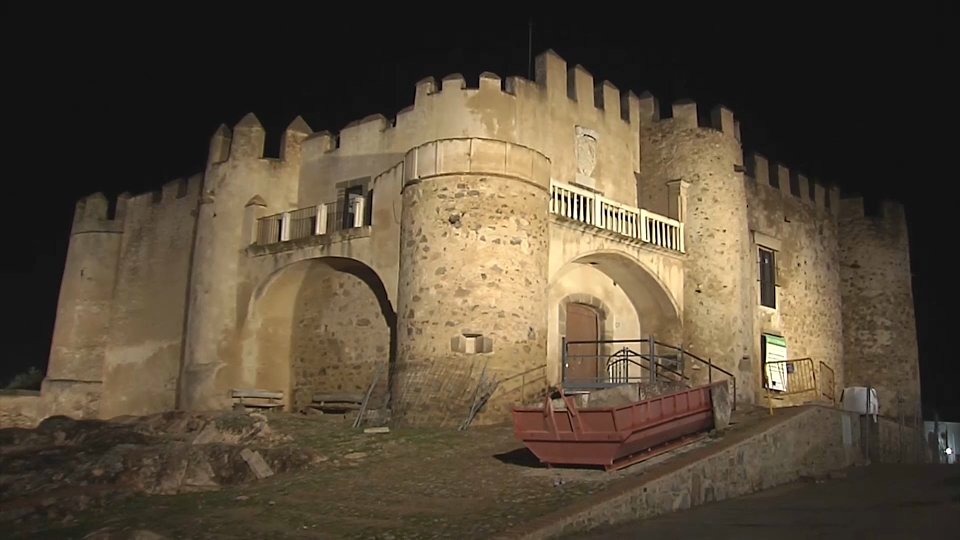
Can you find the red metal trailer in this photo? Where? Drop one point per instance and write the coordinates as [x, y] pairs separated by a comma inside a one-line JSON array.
[[615, 437]]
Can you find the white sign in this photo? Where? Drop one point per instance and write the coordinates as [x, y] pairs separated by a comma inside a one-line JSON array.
[[775, 350]]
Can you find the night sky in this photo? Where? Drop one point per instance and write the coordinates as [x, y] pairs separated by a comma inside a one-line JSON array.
[[111, 101]]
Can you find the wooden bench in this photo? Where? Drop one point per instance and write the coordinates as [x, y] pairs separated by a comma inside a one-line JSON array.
[[261, 399], [337, 402]]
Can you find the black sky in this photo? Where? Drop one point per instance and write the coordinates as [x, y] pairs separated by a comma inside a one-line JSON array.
[[114, 101]]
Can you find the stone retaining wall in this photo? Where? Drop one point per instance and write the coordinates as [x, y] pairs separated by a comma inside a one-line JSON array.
[[794, 443]]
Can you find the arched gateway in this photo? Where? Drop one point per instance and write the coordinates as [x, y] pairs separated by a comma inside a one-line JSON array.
[[318, 325]]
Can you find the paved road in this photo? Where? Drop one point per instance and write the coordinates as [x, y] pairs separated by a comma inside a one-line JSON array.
[[879, 502]]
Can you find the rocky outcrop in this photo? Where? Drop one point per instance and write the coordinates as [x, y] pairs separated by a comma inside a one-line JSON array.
[[167, 453]]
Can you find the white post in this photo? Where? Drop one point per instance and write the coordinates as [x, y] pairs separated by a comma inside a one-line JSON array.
[[644, 234], [553, 198], [358, 212], [285, 227], [321, 226], [598, 220]]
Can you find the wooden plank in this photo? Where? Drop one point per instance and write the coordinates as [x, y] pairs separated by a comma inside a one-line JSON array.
[[262, 405], [335, 398], [337, 405], [256, 393]]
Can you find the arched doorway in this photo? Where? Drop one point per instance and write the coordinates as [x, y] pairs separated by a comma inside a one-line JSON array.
[[320, 325], [582, 324], [629, 302]]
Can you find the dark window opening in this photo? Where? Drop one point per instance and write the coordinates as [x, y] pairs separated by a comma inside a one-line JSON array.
[[368, 209], [826, 198], [351, 198], [812, 190], [768, 278]]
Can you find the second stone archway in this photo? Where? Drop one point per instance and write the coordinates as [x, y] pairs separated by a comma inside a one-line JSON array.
[[630, 302], [321, 325]]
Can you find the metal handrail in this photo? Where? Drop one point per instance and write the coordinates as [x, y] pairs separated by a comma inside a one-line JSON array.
[[653, 344]]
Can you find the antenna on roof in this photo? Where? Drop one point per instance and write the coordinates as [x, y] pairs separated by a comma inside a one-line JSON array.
[[530, 49]]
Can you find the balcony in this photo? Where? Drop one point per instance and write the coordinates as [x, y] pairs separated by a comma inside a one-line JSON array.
[[312, 221], [636, 223]]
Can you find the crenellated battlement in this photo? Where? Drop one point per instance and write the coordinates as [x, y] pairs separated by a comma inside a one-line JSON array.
[[886, 211], [246, 141], [685, 115], [553, 78], [93, 212], [791, 183]]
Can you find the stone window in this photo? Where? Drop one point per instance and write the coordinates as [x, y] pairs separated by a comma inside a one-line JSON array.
[[349, 195], [768, 277], [350, 205]]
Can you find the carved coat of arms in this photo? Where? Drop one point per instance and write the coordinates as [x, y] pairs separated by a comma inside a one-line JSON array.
[[586, 151]]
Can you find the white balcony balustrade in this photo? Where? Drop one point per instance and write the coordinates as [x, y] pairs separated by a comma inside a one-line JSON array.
[[312, 221], [593, 209]]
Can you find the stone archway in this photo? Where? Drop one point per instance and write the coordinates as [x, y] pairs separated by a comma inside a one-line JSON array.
[[633, 302], [319, 325]]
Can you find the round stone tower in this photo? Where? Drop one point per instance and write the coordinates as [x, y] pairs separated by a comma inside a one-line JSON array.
[[473, 276], [706, 162]]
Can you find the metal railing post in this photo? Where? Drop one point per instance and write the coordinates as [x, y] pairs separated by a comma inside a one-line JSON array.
[[563, 361]]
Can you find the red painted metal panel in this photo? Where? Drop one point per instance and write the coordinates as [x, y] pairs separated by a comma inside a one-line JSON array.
[[607, 435]]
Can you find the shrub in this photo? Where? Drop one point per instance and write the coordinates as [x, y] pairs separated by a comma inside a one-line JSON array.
[[28, 380]]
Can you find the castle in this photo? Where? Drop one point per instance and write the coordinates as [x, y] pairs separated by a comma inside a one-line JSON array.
[[481, 229]]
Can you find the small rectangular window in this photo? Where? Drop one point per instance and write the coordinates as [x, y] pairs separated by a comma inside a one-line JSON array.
[[768, 278]]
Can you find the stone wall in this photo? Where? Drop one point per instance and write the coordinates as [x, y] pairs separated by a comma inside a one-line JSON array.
[[145, 344], [237, 178], [338, 337], [891, 442], [802, 232], [21, 409], [586, 127], [473, 275], [879, 324], [806, 442]]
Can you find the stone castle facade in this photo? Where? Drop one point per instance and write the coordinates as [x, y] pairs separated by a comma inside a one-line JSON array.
[[475, 231]]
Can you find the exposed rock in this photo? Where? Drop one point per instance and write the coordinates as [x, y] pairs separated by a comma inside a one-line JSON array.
[[256, 463], [722, 399], [111, 533], [167, 453]]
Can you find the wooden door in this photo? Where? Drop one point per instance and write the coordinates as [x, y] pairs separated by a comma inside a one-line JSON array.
[[583, 324]]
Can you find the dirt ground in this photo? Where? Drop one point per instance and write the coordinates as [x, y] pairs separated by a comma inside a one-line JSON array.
[[402, 484]]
